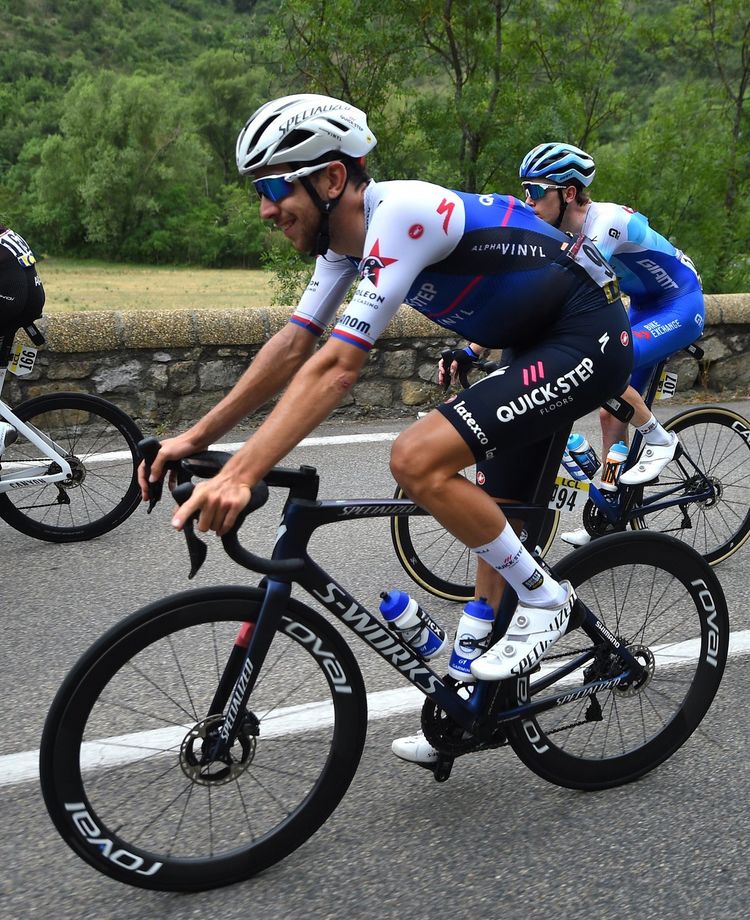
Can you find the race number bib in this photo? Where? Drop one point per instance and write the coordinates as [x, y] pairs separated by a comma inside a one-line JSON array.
[[22, 360], [667, 386], [567, 493]]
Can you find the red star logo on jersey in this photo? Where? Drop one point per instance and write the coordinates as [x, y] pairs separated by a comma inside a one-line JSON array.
[[372, 264]]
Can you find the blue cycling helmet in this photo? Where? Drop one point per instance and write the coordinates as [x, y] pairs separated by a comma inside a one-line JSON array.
[[558, 163]]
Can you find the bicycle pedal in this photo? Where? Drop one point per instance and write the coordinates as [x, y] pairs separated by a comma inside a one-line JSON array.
[[441, 769]]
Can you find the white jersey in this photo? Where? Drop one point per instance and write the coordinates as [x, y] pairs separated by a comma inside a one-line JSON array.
[[483, 266]]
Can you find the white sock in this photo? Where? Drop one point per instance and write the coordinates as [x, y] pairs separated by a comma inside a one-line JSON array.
[[653, 433], [508, 556]]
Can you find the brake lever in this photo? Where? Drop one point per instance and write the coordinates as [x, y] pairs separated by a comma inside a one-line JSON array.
[[447, 359], [149, 448], [197, 549]]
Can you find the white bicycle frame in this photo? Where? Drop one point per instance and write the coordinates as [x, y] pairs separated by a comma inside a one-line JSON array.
[[35, 472]]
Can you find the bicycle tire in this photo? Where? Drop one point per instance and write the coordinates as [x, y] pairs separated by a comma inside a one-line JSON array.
[[437, 561], [718, 441], [136, 801], [101, 443], [655, 593]]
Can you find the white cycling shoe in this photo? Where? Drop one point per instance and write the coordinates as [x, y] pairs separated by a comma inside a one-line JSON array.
[[8, 435], [532, 632], [415, 749], [653, 459], [578, 537]]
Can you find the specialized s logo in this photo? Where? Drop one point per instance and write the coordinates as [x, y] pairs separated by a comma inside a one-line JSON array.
[[372, 264], [446, 207]]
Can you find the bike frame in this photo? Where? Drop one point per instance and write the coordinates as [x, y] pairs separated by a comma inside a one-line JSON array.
[[301, 517], [35, 472]]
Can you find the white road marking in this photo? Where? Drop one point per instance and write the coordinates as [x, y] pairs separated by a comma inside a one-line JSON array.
[[120, 749]]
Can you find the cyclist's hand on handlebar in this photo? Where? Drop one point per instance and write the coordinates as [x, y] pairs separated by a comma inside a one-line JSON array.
[[456, 363], [217, 501], [171, 449]]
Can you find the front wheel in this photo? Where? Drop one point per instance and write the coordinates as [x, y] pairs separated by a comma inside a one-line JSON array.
[[664, 603], [717, 440], [122, 761], [100, 442]]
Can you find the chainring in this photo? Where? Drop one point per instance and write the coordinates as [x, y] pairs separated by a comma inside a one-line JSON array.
[[449, 738]]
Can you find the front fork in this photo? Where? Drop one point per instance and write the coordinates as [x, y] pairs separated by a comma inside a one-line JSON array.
[[243, 667]]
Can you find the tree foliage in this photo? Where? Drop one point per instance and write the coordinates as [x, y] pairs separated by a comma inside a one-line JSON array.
[[118, 117]]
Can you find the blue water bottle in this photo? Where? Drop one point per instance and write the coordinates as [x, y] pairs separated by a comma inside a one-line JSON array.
[[584, 454], [404, 615], [473, 629], [572, 468]]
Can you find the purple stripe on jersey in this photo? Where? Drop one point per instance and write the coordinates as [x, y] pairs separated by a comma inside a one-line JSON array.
[[474, 281], [351, 339], [308, 324], [506, 218]]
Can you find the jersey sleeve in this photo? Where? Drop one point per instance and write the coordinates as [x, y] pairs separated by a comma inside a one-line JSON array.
[[324, 294], [414, 224], [609, 229]]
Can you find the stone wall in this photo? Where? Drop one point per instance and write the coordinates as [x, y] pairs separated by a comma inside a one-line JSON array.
[[168, 368]]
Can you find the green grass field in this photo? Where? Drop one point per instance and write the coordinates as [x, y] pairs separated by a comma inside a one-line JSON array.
[[76, 285]]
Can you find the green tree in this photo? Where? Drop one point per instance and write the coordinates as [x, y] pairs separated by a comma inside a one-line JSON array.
[[126, 158]]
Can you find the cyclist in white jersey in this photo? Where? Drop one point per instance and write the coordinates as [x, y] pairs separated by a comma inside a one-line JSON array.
[[481, 265]]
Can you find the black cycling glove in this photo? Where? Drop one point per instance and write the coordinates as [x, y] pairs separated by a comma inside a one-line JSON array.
[[464, 358]]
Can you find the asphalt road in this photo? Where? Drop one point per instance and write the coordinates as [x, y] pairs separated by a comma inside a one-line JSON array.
[[495, 840]]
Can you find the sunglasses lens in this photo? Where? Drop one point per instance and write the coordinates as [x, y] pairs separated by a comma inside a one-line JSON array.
[[274, 188], [535, 191]]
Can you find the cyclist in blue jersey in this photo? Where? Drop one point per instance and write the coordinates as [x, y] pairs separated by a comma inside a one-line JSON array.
[[666, 298], [483, 266], [21, 297]]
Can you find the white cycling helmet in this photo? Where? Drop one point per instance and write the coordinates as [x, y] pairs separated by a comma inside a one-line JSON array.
[[558, 163], [302, 128]]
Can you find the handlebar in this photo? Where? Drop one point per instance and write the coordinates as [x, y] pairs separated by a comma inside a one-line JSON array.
[[303, 483]]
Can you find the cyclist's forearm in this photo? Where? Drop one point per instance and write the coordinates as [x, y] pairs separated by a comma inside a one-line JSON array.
[[314, 393], [273, 367]]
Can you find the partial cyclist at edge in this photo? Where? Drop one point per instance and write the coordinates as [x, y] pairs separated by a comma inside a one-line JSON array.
[[484, 267], [666, 298], [21, 297]]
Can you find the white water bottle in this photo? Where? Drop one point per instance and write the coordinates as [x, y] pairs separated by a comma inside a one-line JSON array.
[[616, 456], [473, 629], [416, 628]]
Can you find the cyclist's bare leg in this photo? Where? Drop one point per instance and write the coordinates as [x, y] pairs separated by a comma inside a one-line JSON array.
[[426, 460]]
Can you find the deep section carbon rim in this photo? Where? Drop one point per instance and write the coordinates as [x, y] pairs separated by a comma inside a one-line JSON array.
[[663, 602], [718, 442], [122, 752]]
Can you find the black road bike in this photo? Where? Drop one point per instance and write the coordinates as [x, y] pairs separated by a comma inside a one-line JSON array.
[[208, 735]]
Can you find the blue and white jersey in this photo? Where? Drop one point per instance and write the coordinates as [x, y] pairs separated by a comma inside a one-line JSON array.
[[648, 266], [483, 266]]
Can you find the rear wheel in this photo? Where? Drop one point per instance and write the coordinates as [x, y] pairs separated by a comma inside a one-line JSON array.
[[718, 442], [100, 442], [125, 761], [664, 603]]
